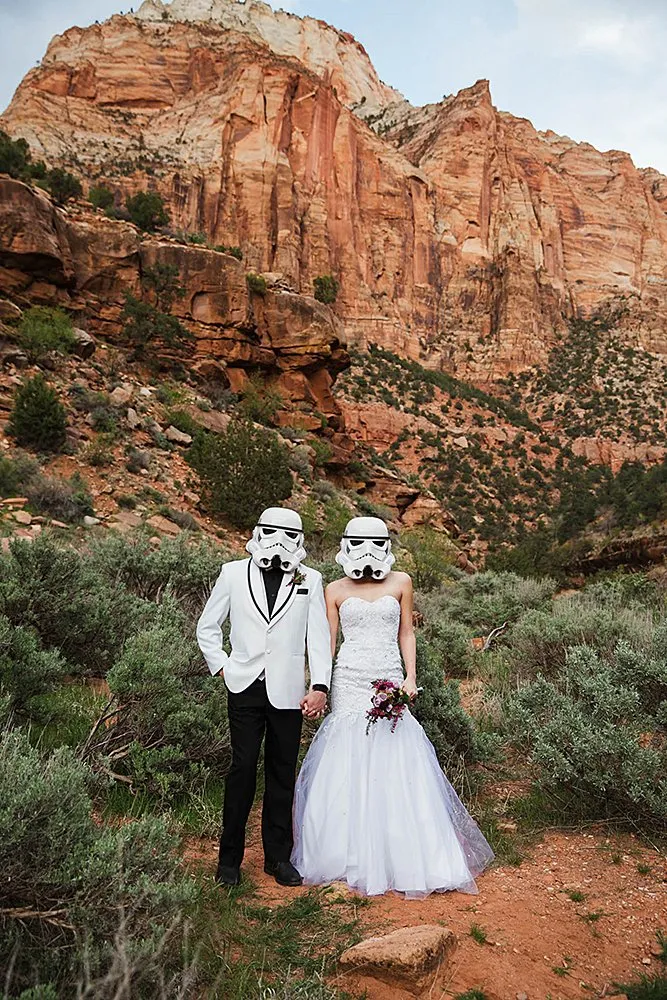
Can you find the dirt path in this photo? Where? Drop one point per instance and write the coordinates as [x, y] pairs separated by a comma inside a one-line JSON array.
[[539, 941]]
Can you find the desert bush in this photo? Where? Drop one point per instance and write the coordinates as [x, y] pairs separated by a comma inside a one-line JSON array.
[[42, 330], [595, 732], [182, 421], [177, 566], [431, 554], [323, 451], [137, 459], [27, 671], [38, 419], [256, 284], [99, 452], [451, 731], [450, 647], [65, 500], [259, 401], [300, 462], [101, 197], [486, 600], [167, 727], [63, 185], [16, 159], [539, 642], [16, 472], [233, 251], [69, 884], [60, 594], [149, 321], [242, 471], [325, 288], [146, 210]]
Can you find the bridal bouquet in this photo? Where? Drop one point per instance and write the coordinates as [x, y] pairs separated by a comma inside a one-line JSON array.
[[388, 702]]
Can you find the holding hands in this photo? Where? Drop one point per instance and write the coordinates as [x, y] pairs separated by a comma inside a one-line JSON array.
[[314, 704]]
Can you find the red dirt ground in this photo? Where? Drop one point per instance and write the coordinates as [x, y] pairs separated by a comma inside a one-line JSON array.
[[532, 925]]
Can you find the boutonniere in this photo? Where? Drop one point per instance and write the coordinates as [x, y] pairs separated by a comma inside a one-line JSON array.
[[299, 578]]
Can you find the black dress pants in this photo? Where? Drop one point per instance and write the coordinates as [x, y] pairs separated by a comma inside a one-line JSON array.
[[252, 718]]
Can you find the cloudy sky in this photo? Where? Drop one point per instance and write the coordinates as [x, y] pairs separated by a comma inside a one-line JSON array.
[[591, 69]]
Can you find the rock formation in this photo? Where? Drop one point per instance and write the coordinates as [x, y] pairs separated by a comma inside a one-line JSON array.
[[460, 235], [86, 263]]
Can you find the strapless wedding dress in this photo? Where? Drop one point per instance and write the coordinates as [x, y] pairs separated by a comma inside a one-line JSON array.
[[375, 810]]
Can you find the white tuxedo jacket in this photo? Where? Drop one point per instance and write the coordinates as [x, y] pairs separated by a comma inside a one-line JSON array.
[[275, 644]]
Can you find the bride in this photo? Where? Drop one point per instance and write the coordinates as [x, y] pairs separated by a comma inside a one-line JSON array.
[[372, 806]]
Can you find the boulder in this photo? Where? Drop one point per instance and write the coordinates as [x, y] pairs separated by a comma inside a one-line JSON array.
[[15, 356], [23, 517], [178, 437], [133, 418], [408, 957], [89, 521], [163, 524], [84, 344], [121, 395]]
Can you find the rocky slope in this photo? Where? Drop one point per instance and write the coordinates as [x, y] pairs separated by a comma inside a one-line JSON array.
[[460, 235]]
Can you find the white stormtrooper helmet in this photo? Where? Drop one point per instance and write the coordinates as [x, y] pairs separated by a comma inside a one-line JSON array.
[[277, 540], [365, 549]]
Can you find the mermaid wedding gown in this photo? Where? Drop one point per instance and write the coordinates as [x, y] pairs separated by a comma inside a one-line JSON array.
[[376, 810]]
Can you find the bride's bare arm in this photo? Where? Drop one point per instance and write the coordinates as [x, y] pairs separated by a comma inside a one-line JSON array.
[[406, 638], [332, 615]]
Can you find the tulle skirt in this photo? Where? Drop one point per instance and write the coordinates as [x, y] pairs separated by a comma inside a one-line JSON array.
[[377, 812]]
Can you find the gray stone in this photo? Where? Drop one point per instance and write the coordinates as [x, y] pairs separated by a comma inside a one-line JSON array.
[[15, 356], [90, 521], [178, 437], [133, 418], [121, 395], [84, 344]]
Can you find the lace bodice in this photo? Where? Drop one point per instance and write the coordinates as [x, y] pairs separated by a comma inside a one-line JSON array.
[[369, 650]]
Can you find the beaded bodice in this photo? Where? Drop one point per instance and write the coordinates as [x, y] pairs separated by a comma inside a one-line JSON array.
[[369, 651]]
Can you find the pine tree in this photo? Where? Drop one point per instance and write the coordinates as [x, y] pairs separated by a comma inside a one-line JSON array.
[[38, 418]]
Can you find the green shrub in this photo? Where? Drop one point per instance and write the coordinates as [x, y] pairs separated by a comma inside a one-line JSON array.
[[26, 671], [42, 330], [431, 554], [242, 471], [299, 462], [38, 419], [323, 451], [16, 159], [169, 729], [595, 732], [177, 566], [256, 284], [63, 185], [82, 902], [183, 421], [150, 322], [448, 727], [233, 251], [326, 288], [484, 601], [101, 197], [146, 210], [17, 471], [450, 646], [99, 452], [60, 594], [260, 402], [64, 500]]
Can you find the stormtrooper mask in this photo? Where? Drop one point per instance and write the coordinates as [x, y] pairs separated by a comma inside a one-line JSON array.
[[277, 540], [365, 549]]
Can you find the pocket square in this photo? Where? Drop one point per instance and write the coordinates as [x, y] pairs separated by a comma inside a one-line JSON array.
[[302, 590]]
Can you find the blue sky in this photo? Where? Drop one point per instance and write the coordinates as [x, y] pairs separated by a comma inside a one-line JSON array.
[[591, 69]]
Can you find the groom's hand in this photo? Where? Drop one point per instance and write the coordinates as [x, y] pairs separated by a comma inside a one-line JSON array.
[[313, 705]]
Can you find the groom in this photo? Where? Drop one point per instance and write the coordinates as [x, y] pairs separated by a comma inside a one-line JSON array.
[[277, 612]]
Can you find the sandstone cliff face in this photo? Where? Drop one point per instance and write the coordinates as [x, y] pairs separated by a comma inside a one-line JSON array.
[[460, 235], [85, 263]]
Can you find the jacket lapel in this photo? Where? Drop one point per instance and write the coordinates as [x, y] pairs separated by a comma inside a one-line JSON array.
[[285, 597], [257, 591]]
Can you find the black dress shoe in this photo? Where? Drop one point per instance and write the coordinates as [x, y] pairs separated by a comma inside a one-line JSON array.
[[228, 875], [283, 872]]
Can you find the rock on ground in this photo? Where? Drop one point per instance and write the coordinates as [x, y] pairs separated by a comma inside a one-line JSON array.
[[408, 957]]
